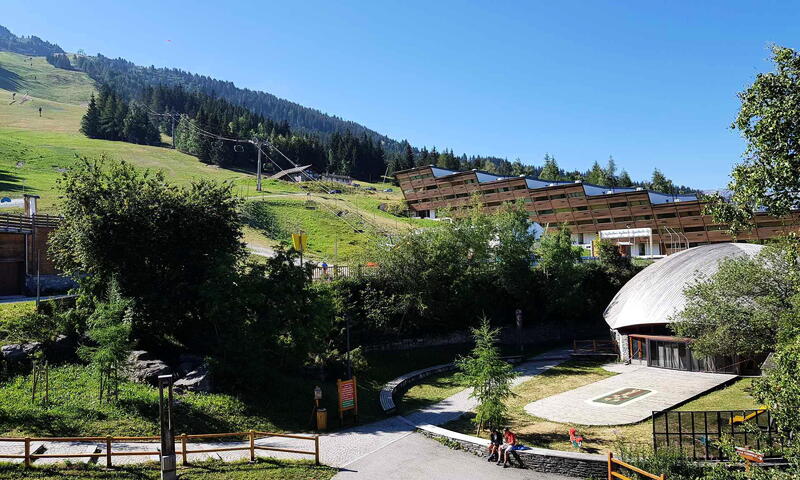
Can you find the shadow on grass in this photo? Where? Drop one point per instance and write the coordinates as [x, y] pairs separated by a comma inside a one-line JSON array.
[[9, 80], [9, 182]]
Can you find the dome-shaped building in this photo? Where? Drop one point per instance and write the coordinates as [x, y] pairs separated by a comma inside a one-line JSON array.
[[640, 312]]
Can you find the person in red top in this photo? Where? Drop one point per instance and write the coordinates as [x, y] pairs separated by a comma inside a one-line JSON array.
[[509, 444]]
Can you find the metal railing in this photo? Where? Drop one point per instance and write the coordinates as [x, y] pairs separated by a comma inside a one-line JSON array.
[[27, 456], [698, 433]]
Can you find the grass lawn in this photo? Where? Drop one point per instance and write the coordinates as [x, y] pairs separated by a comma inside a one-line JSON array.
[[40, 79], [211, 470], [10, 311], [538, 432]]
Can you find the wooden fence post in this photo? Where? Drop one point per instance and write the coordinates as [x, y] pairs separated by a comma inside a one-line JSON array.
[[108, 451], [252, 446], [610, 469], [27, 452], [184, 459], [316, 449]]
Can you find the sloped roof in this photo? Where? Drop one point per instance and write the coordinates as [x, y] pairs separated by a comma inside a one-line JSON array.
[[288, 171], [655, 294]]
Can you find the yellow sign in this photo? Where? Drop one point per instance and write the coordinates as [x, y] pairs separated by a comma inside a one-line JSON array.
[[300, 241]]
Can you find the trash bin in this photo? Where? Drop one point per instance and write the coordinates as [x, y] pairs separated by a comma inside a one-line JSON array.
[[322, 419]]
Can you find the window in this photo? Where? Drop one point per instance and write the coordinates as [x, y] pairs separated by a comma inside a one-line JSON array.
[[541, 199], [527, 200], [585, 222], [601, 206], [694, 229], [603, 220], [692, 213], [431, 187], [557, 196], [520, 187], [713, 228], [636, 203], [665, 215], [563, 210], [462, 195], [545, 212], [639, 218], [622, 219], [581, 208], [575, 195], [468, 181], [503, 189], [619, 204]]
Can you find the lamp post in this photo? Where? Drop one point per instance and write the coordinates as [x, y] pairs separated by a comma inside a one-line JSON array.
[[167, 432]]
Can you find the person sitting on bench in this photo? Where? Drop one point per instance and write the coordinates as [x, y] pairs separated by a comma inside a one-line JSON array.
[[509, 444], [495, 440]]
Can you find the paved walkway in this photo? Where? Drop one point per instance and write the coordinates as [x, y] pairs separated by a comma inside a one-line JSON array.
[[353, 447], [629, 397], [417, 457]]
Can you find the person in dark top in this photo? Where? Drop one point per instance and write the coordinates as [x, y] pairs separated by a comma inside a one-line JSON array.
[[495, 440]]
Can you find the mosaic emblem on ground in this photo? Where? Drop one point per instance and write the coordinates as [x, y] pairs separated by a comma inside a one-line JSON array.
[[623, 396]]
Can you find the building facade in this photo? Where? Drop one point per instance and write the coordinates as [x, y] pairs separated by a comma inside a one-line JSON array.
[[640, 313], [676, 222], [25, 264]]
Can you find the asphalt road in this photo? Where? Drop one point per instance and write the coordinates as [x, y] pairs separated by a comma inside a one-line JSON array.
[[415, 457]]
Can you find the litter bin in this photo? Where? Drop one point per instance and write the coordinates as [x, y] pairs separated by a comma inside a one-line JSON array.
[[322, 419]]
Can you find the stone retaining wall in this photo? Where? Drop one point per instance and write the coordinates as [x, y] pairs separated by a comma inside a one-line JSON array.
[[573, 464]]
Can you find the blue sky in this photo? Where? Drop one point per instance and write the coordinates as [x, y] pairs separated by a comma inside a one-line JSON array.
[[652, 83]]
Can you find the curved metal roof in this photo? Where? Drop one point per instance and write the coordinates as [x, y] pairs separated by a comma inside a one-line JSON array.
[[655, 294]]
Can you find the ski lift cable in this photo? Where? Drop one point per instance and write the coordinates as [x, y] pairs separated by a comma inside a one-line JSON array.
[[302, 172]]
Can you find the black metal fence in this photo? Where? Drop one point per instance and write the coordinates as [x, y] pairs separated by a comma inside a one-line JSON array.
[[697, 433]]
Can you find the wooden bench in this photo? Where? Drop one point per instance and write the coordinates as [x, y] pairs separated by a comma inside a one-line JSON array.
[[402, 383]]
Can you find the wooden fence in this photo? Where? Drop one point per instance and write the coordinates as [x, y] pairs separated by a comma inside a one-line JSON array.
[[614, 465], [17, 221], [27, 457]]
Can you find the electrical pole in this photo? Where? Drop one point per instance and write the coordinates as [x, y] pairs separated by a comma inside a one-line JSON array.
[[258, 144]]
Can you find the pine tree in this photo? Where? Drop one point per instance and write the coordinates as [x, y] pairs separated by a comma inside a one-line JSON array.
[[660, 183], [489, 376], [550, 171], [624, 179], [90, 123], [611, 172], [409, 157], [597, 176], [108, 116]]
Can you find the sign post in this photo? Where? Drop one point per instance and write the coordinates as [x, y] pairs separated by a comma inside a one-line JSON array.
[[300, 242], [348, 398], [167, 432]]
